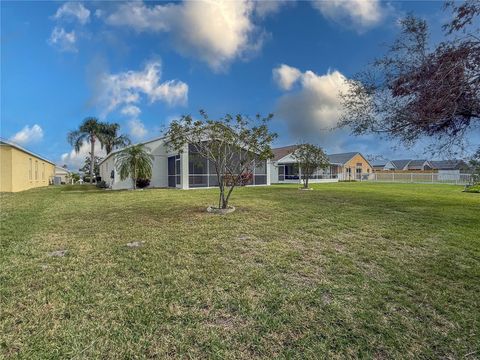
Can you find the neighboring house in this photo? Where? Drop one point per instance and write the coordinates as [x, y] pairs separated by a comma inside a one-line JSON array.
[[346, 166], [175, 170], [379, 166], [21, 169], [61, 175], [449, 165], [450, 170], [406, 165], [397, 165]]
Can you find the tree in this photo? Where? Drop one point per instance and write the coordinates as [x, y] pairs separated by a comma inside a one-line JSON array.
[[96, 165], [475, 166], [310, 158], [134, 162], [110, 138], [89, 131], [414, 92], [232, 144]]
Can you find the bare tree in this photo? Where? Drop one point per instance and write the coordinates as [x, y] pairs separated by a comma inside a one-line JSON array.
[[232, 144], [413, 91], [310, 158]]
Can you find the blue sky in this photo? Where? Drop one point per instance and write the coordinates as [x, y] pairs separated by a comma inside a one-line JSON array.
[[143, 64]]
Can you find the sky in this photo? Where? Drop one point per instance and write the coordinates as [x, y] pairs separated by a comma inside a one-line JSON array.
[[142, 64]]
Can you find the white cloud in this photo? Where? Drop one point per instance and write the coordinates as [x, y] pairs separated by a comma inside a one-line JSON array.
[[360, 14], [28, 135], [73, 10], [63, 40], [75, 160], [126, 88], [314, 109], [137, 129], [215, 32], [268, 7], [285, 76], [131, 110]]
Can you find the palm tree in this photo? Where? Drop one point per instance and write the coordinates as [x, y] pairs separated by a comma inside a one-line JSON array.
[[89, 131], [111, 139], [134, 162]]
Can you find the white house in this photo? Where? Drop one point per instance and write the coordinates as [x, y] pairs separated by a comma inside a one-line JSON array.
[[345, 166], [176, 170], [61, 175]]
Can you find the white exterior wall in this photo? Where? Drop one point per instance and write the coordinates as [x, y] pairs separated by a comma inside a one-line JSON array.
[[160, 152]]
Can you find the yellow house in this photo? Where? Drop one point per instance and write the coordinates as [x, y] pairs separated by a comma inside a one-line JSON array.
[[21, 169]]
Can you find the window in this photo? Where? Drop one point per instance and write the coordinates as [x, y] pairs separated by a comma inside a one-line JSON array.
[[36, 170], [359, 164], [30, 169]]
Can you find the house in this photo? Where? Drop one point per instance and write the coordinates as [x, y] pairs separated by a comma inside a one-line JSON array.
[[61, 175], [182, 170], [450, 170], [450, 165], [345, 166], [406, 165], [397, 165], [21, 169], [379, 166]]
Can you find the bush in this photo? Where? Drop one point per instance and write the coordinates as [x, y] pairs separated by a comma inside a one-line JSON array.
[[473, 189], [101, 185], [143, 183]]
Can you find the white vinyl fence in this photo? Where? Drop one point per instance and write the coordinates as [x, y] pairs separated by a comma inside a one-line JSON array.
[[432, 178]]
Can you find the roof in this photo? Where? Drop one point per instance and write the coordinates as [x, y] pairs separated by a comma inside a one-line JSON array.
[[341, 158], [454, 164], [338, 159], [400, 164], [62, 169], [416, 164], [18, 147], [281, 152]]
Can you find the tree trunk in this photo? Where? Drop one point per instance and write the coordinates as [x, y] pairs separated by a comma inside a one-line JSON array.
[[134, 177], [92, 157]]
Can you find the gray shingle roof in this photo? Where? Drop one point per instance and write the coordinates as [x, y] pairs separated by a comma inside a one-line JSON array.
[[400, 164], [449, 164], [341, 158], [416, 164], [281, 152]]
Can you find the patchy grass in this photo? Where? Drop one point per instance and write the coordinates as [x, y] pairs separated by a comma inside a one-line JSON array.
[[348, 270]]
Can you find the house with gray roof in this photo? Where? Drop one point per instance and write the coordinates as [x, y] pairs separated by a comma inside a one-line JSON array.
[[343, 166]]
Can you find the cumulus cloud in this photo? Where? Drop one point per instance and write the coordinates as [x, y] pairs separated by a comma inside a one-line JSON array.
[[215, 32], [28, 135], [313, 109], [63, 40], [361, 14], [265, 8], [131, 110], [75, 160], [137, 129], [126, 88], [285, 76], [73, 11]]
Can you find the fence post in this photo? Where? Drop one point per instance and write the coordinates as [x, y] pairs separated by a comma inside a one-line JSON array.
[[411, 177], [393, 177], [432, 177]]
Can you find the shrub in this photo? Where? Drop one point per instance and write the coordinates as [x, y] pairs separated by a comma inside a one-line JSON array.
[[143, 183], [101, 185]]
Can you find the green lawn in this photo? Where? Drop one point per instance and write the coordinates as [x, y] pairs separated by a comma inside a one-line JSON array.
[[348, 270]]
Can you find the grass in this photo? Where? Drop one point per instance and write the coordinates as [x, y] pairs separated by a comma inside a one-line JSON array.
[[348, 270]]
